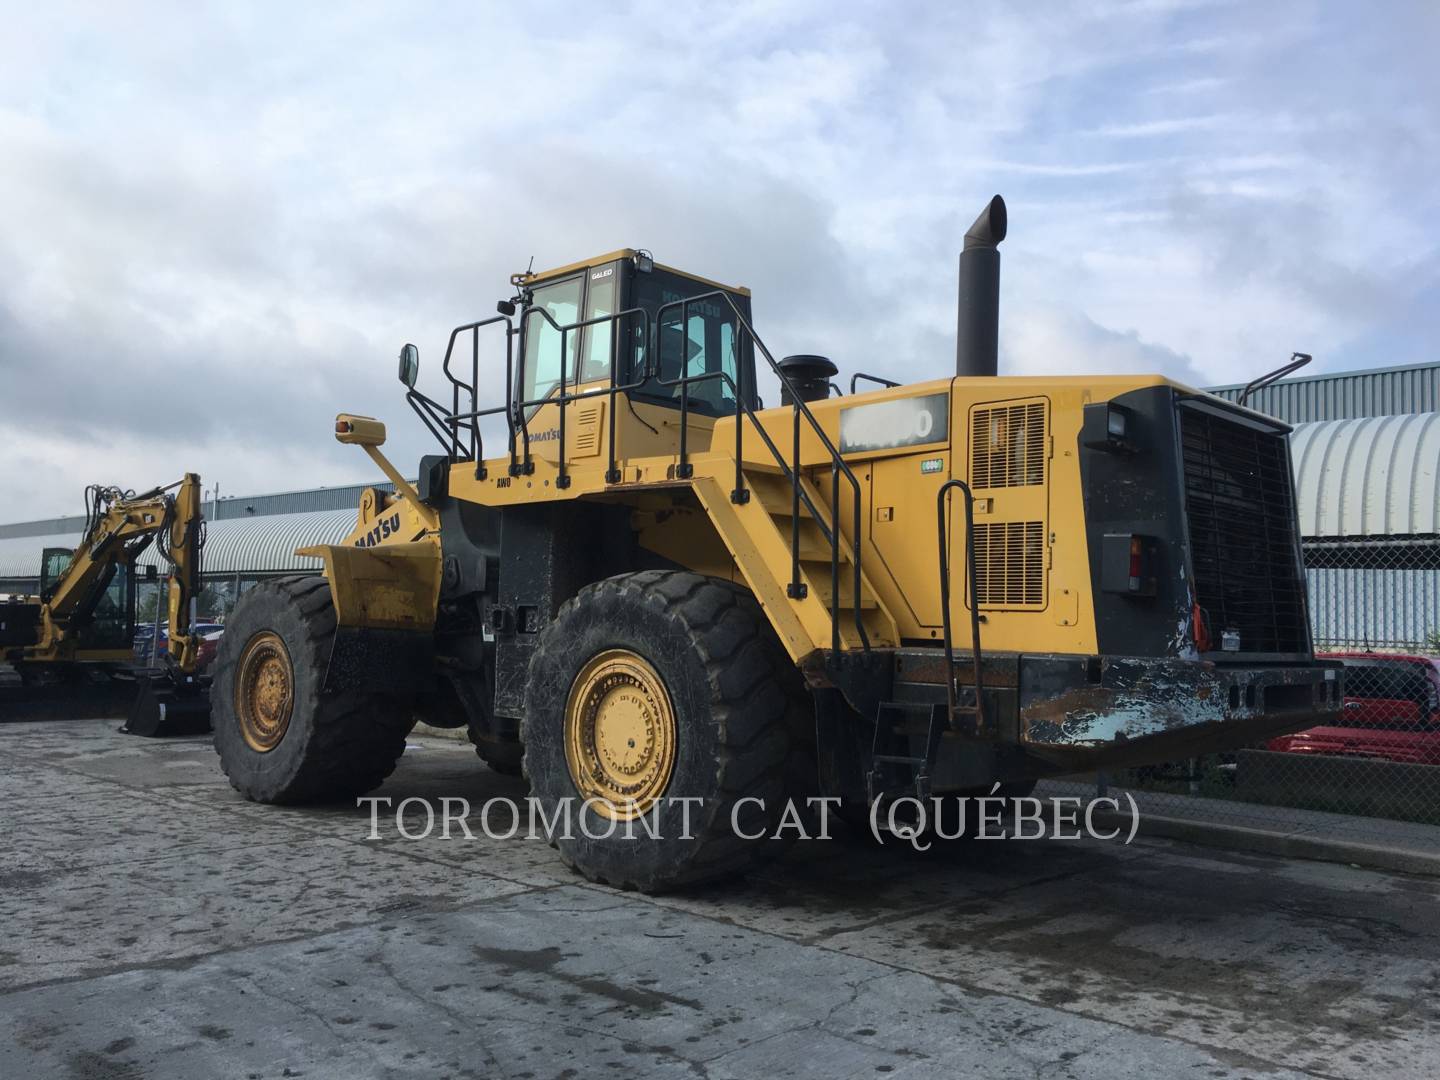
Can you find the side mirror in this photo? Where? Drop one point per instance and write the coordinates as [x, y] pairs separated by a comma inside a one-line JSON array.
[[505, 307], [409, 365]]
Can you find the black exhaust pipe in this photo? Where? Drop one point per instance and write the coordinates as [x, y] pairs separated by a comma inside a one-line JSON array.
[[977, 335]]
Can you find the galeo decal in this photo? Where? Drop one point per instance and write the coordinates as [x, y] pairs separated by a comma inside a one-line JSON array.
[[885, 425], [385, 527]]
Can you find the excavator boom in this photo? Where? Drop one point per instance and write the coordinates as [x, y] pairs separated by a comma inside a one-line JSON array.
[[58, 633]]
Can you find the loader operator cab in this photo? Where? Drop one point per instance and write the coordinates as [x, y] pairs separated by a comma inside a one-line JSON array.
[[671, 340]]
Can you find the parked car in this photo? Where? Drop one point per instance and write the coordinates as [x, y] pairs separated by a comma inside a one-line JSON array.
[[1392, 711], [209, 644], [145, 633]]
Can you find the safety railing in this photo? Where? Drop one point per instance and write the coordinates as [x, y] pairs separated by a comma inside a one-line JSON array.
[[448, 427], [443, 425], [855, 381], [942, 503], [796, 588]]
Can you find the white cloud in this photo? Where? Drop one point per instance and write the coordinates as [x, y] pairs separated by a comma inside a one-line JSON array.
[[217, 227]]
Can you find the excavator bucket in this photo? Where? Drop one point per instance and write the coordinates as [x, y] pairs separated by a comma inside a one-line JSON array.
[[165, 707]]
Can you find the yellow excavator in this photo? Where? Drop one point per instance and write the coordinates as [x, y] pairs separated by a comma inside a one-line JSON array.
[[72, 645]]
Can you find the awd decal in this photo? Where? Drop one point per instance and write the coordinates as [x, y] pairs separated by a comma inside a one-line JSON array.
[[384, 528]]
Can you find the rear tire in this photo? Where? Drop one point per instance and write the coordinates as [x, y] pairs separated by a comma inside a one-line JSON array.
[[505, 758], [281, 739], [711, 699]]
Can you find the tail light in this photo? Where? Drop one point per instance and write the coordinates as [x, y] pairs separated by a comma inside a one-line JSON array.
[[1198, 629]]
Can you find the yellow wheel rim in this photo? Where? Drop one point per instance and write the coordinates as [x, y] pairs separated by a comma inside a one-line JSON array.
[[264, 691], [620, 734]]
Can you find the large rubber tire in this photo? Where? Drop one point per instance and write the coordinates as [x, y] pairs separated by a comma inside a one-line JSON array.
[[336, 745], [444, 709], [736, 698], [505, 758]]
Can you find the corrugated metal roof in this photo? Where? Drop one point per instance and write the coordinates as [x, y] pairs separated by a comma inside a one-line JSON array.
[[1371, 477], [1346, 395], [308, 500], [262, 544], [252, 545], [239, 507]]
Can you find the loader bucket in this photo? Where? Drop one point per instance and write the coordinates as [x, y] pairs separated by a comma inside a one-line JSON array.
[[164, 707]]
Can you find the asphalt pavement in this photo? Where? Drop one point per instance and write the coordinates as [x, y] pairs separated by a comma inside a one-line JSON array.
[[157, 925]]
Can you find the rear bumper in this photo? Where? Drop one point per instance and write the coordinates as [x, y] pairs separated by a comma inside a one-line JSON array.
[[1133, 710]]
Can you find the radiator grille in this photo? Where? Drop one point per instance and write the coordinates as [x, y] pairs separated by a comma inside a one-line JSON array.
[[1007, 446], [1240, 504], [1010, 564]]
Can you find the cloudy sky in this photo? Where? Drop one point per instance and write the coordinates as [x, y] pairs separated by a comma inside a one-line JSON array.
[[218, 222]]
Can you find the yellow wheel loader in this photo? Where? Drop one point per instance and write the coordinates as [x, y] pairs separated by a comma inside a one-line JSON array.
[[69, 642], [680, 608]]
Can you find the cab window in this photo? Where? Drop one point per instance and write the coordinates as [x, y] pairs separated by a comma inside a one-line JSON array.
[[600, 300], [703, 339], [53, 564], [587, 352], [561, 300]]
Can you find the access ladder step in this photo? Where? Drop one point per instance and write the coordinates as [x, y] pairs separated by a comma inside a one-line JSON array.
[[899, 759], [820, 578]]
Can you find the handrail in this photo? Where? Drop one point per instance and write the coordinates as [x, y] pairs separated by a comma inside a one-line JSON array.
[[432, 414], [942, 504], [476, 440], [449, 426], [796, 589], [870, 378], [1295, 363]]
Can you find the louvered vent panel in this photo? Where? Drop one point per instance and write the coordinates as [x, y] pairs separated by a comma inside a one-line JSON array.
[[1010, 564], [587, 431], [1007, 446]]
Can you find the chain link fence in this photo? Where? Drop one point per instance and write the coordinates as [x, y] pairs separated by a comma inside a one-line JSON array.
[[1375, 776]]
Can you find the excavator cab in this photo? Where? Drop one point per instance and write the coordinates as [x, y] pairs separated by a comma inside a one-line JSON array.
[[54, 561], [106, 620], [83, 621]]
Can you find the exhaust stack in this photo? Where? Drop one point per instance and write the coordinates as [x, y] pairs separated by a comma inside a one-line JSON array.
[[977, 336]]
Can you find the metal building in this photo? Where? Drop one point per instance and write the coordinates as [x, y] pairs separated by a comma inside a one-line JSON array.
[[238, 552], [302, 501], [1346, 395], [1368, 494]]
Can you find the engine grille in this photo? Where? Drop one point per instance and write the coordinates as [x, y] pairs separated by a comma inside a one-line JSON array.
[[1010, 564], [1007, 446], [1240, 504]]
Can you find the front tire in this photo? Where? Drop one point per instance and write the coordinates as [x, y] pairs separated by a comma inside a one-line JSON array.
[[647, 689], [280, 737]]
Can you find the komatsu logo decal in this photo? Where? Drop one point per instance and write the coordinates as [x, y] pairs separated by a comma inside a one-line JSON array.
[[384, 528]]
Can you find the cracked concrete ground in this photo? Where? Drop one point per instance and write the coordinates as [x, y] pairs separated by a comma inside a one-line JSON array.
[[156, 925]]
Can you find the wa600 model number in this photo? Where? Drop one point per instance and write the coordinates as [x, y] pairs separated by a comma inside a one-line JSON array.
[[885, 425]]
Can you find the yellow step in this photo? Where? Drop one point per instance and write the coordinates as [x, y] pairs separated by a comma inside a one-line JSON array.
[[813, 545], [775, 494], [817, 574]]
